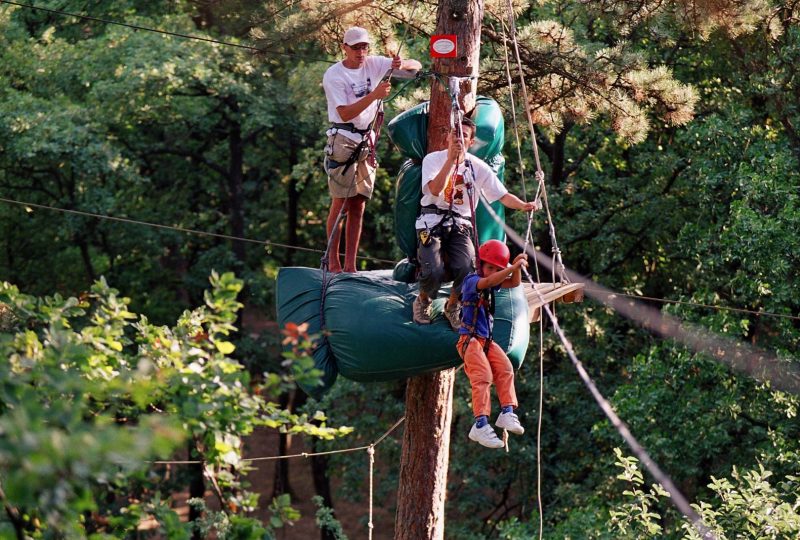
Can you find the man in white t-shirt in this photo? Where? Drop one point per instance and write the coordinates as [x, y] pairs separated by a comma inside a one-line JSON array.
[[354, 89], [444, 228]]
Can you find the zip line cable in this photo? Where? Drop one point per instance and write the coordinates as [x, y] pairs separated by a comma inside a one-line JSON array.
[[165, 32], [761, 365], [696, 304], [676, 497], [666, 482], [185, 230]]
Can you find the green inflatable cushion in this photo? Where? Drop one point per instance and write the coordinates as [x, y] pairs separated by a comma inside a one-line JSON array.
[[371, 335]]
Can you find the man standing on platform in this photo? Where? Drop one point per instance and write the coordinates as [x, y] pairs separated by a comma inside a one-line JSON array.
[[354, 88]]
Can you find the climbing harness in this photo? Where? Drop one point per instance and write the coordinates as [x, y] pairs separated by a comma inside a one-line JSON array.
[[485, 301]]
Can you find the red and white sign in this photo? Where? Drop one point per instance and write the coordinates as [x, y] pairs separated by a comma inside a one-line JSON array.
[[444, 46]]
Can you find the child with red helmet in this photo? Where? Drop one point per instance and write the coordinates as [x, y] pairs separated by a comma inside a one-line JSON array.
[[484, 360]]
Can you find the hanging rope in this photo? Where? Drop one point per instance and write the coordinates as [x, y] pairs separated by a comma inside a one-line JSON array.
[[676, 497], [529, 241], [371, 454], [542, 190]]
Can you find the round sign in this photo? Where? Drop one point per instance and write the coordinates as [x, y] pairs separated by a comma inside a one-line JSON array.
[[443, 46]]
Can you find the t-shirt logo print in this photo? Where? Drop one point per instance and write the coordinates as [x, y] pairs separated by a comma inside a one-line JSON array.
[[362, 89], [458, 198]]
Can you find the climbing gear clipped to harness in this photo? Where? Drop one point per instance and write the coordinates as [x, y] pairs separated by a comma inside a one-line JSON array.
[[495, 252], [456, 117], [485, 301]]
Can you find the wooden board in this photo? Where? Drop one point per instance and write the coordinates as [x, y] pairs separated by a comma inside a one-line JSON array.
[[539, 294]]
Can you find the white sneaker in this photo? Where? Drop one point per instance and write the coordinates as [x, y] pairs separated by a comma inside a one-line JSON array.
[[485, 436], [510, 422]]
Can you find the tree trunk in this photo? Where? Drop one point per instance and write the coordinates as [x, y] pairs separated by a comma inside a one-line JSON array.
[[462, 18], [281, 484], [235, 178], [86, 256], [292, 207], [429, 398], [197, 490]]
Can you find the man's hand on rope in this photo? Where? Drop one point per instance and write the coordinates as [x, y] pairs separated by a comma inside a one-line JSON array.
[[533, 206], [397, 62], [454, 151], [383, 89]]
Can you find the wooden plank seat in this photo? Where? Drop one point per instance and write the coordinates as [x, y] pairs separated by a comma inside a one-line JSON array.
[[539, 294]]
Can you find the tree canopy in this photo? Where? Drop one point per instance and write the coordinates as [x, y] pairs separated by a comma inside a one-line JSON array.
[[669, 133]]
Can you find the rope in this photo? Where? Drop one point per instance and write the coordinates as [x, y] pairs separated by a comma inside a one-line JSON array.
[[676, 496], [267, 243], [529, 240], [371, 453], [539, 428], [557, 259], [165, 32], [292, 456], [695, 304]]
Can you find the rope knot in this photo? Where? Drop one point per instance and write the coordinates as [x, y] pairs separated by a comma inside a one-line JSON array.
[[540, 176], [371, 450]]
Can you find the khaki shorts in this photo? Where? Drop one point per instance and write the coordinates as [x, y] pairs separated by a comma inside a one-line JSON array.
[[358, 179]]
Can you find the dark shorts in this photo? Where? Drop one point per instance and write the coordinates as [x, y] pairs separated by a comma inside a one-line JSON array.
[[445, 254]]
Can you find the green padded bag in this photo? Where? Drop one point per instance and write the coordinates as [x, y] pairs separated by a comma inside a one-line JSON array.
[[371, 335]]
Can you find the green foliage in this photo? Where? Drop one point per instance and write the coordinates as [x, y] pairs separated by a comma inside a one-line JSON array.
[[109, 120], [92, 392], [326, 520], [635, 518], [747, 505]]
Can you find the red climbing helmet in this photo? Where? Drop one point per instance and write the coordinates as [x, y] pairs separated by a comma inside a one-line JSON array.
[[494, 252]]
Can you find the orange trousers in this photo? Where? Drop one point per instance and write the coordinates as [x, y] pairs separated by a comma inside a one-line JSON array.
[[485, 368]]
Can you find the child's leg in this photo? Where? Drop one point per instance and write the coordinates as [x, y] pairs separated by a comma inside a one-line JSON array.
[[503, 374], [479, 373]]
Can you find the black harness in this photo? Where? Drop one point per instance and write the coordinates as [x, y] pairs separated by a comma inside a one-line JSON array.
[[485, 301]]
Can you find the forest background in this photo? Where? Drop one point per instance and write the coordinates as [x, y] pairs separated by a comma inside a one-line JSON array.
[[670, 138]]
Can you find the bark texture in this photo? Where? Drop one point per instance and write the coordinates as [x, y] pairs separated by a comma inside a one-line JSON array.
[[429, 398]]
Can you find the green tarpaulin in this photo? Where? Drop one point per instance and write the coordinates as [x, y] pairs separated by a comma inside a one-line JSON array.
[[371, 335]]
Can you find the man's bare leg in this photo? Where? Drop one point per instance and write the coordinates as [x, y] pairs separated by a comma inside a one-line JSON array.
[[334, 262], [355, 217]]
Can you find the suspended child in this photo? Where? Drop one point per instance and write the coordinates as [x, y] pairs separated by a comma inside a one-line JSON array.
[[484, 360]]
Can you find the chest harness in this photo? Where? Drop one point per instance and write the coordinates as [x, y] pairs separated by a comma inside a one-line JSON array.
[[484, 301]]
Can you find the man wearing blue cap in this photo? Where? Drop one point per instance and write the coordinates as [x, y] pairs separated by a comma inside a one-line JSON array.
[[354, 89]]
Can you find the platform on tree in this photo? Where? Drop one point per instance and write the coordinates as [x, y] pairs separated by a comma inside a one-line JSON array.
[[539, 294]]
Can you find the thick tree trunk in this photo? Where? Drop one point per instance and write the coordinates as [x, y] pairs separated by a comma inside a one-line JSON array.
[[429, 398], [424, 461], [462, 18]]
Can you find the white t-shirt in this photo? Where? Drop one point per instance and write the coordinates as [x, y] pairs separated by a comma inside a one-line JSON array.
[[344, 86], [485, 181]]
